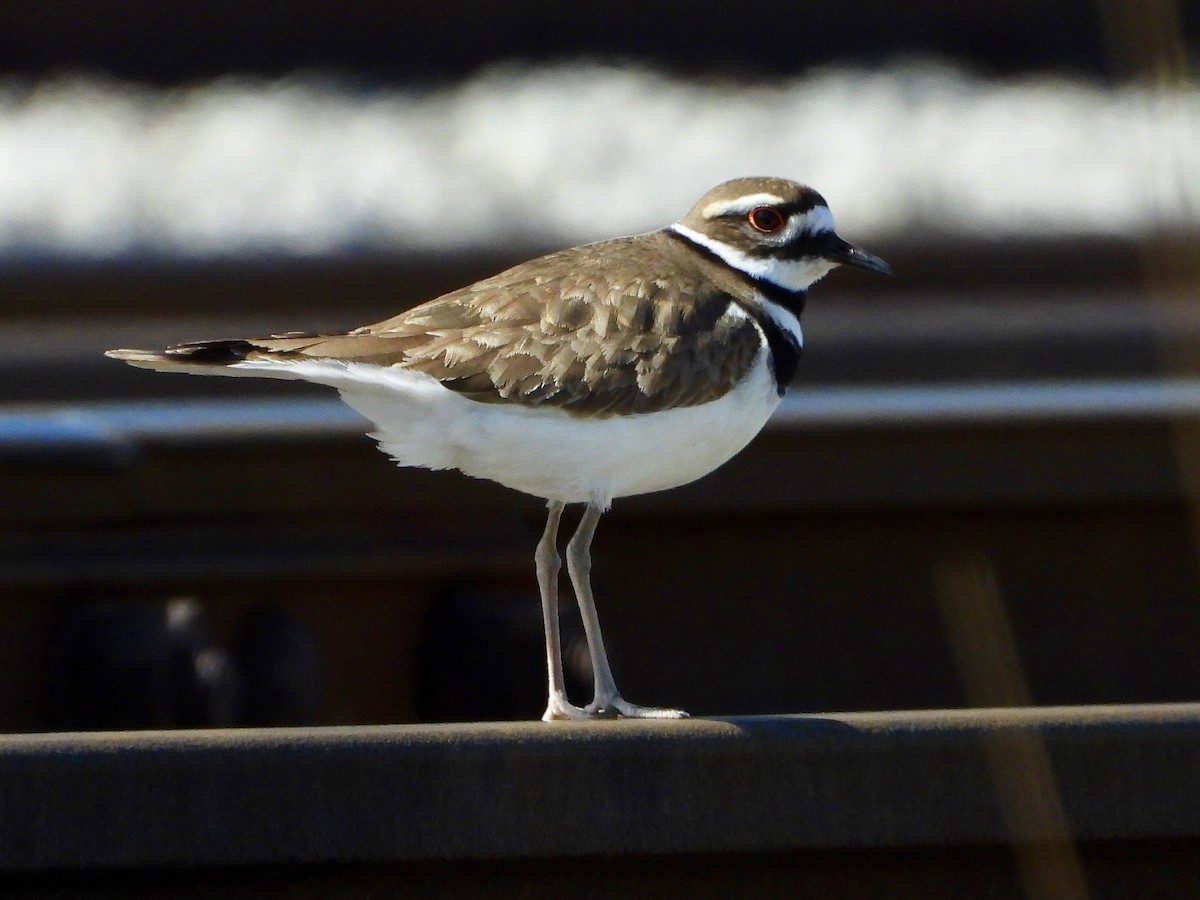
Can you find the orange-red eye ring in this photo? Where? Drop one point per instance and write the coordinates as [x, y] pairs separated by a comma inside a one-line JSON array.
[[766, 219]]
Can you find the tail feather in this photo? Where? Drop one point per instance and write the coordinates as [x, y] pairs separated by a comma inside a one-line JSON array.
[[206, 358], [203, 353]]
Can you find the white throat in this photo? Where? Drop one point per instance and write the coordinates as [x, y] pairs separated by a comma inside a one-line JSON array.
[[791, 274]]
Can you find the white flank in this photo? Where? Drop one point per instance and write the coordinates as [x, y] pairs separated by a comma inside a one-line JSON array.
[[792, 274], [538, 450]]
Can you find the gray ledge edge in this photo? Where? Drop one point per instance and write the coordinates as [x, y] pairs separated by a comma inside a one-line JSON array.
[[533, 790]]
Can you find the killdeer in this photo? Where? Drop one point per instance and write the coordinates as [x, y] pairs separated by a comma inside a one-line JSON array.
[[615, 368]]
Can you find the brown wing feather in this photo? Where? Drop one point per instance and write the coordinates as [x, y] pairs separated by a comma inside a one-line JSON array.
[[575, 330]]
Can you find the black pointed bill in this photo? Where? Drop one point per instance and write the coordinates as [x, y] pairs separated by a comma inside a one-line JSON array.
[[834, 249]]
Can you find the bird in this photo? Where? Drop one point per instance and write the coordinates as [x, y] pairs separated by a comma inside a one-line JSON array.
[[607, 370]]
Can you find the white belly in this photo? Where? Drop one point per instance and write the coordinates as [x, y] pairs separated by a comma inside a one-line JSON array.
[[544, 451]]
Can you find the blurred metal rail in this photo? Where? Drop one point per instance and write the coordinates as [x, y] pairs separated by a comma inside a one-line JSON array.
[[997, 403], [114, 431]]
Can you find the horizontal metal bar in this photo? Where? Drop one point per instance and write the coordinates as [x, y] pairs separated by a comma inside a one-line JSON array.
[[115, 430], [997, 403], [569, 790]]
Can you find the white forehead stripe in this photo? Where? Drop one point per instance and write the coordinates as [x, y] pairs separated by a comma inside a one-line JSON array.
[[791, 274], [739, 205], [818, 220]]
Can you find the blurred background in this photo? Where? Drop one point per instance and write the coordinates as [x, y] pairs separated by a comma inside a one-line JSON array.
[[981, 490]]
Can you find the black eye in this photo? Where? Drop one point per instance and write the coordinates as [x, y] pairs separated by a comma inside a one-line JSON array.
[[766, 219]]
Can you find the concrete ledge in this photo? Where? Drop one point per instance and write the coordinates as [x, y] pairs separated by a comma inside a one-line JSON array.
[[925, 779]]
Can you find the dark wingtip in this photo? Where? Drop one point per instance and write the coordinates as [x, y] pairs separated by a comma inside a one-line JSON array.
[[211, 352], [204, 353]]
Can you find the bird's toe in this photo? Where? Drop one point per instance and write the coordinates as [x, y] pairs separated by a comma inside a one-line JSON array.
[[618, 707]]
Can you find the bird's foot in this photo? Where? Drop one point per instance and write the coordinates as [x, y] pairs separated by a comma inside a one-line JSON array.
[[560, 709], [616, 707]]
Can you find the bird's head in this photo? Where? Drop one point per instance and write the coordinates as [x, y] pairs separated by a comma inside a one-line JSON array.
[[773, 229]]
